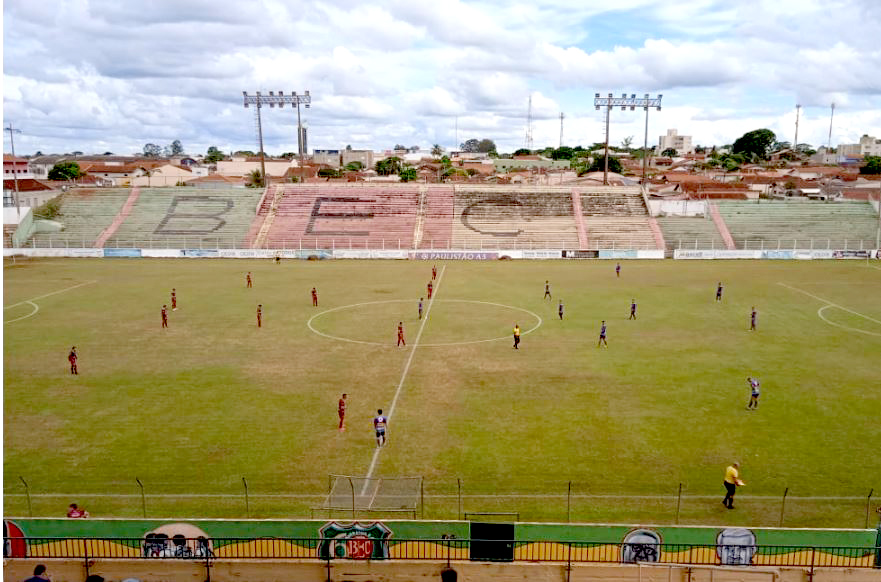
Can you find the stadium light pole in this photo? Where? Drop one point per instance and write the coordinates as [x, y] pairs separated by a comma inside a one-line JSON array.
[[12, 131], [272, 100], [624, 102]]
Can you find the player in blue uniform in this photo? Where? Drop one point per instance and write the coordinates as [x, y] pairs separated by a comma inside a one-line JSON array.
[[560, 309], [602, 340], [420, 308], [632, 309], [719, 291], [753, 394], [380, 423], [617, 269], [752, 319]]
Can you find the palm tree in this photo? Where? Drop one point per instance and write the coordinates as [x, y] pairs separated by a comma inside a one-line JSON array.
[[437, 151], [149, 173]]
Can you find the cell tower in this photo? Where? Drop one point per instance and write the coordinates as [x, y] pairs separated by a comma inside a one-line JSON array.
[[529, 125]]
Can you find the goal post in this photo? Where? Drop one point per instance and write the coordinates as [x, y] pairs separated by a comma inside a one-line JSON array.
[[355, 493]]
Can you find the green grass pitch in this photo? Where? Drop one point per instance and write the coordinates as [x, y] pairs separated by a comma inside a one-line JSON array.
[[192, 409]]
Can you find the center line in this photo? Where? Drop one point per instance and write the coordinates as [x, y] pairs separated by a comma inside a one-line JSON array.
[[404, 375]]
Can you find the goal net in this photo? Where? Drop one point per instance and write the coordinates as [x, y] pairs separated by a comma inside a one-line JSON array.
[[348, 492]]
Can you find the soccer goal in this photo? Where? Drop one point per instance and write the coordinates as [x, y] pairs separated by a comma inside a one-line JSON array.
[[353, 493]]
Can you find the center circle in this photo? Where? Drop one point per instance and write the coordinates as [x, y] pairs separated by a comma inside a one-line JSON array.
[[397, 316]]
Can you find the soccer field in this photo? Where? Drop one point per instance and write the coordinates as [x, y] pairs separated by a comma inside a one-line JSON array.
[[192, 409]]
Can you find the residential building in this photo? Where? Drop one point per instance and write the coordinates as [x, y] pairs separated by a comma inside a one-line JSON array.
[[243, 166], [330, 158], [15, 167], [868, 146], [363, 156], [681, 143], [163, 176], [528, 162]]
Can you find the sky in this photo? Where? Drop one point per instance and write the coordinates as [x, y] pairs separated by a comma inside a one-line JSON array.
[[98, 75]]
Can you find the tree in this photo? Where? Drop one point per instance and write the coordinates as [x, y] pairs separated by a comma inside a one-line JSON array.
[[213, 155], [805, 149], [245, 153], [626, 142], [669, 153], [599, 164], [65, 171], [523, 152], [754, 145], [176, 148], [413, 149], [328, 173], [470, 145], [149, 173], [408, 174], [437, 151], [563, 153], [349, 147], [76, 153], [388, 166], [400, 148], [486, 146], [151, 150], [872, 166], [255, 179], [355, 166], [105, 153]]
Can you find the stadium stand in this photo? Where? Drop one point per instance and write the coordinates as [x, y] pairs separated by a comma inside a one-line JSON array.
[[513, 218], [616, 218], [85, 214], [437, 227], [188, 218], [342, 216], [800, 224], [690, 233]]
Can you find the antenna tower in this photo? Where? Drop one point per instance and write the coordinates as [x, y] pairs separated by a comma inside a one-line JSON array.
[[561, 128], [795, 143]]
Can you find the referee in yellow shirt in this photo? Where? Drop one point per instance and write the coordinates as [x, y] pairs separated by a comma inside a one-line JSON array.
[[516, 337], [732, 481]]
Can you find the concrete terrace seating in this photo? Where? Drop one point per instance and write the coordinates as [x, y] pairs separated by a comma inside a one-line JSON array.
[[437, 229], [618, 232], [612, 201], [690, 233], [354, 216], [500, 218], [802, 224], [85, 213], [188, 218]]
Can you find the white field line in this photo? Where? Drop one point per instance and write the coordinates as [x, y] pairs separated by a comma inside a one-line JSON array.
[[447, 344], [428, 496], [391, 410], [831, 304], [36, 308]]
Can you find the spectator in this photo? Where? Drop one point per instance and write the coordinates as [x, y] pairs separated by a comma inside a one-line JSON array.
[[74, 511], [40, 574]]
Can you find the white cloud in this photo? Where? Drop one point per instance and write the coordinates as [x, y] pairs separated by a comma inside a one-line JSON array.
[[118, 74]]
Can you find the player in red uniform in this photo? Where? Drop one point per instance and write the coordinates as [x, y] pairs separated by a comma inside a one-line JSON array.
[[71, 357], [260, 315], [314, 297], [164, 316], [173, 299], [342, 412], [248, 280], [430, 288], [433, 272], [401, 334]]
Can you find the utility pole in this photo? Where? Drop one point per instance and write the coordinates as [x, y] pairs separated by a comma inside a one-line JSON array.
[[795, 144], [624, 102], [561, 129], [272, 100], [529, 125], [12, 131], [831, 116]]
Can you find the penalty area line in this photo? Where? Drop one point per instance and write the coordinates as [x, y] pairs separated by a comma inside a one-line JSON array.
[[391, 410], [830, 303], [36, 307]]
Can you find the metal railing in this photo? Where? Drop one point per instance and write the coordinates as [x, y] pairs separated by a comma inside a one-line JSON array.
[[155, 546], [513, 243]]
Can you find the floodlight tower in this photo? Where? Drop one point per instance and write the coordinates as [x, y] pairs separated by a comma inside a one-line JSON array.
[[12, 131], [272, 100], [624, 102]]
